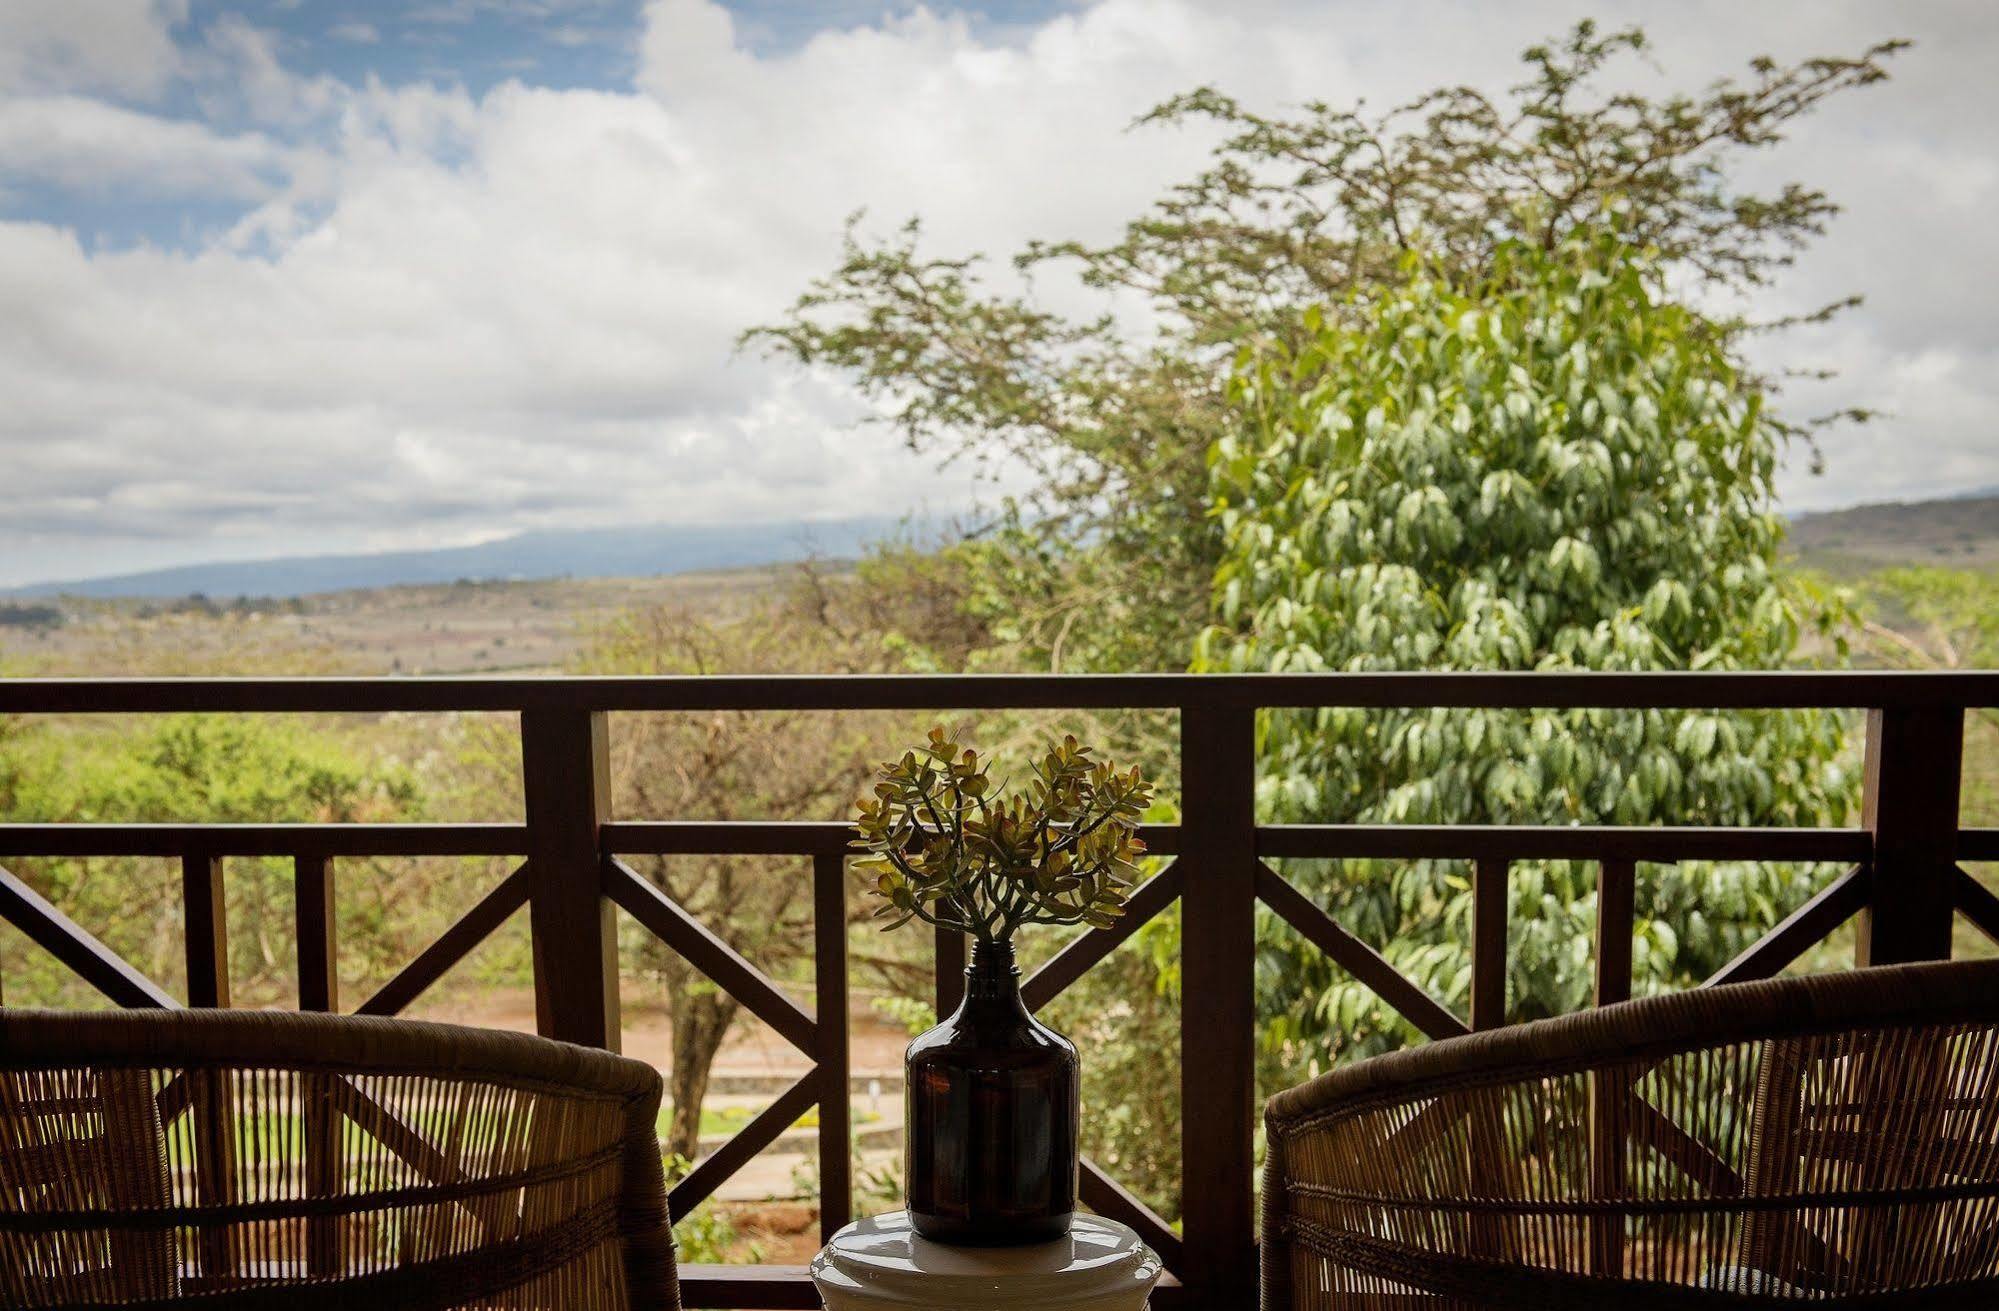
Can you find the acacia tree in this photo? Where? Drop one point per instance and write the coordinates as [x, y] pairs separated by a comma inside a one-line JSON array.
[[1548, 466], [1108, 564], [727, 765]]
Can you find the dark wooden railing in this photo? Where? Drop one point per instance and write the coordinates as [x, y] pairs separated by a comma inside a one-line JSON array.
[[1904, 883]]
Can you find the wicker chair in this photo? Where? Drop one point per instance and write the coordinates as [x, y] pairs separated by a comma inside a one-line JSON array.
[[237, 1159], [1831, 1140]]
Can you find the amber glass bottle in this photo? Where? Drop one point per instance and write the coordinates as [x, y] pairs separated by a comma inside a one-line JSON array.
[[993, 1103]]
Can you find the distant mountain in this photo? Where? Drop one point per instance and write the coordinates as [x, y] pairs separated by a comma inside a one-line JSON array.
[[634, 552], [1958, 531]]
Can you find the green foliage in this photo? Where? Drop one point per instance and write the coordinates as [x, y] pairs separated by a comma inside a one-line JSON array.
[[222, 769], [879, 1190], [1544, 467], [912, 1014], [24, 614], [1124, 1016], [945, 847], [707, 1236], [1924, 617], [1105, 565]]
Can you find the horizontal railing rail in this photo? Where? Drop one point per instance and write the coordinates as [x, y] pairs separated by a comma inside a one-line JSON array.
[[1902, 882], [809, 837], [263, 839], [1518, 690]]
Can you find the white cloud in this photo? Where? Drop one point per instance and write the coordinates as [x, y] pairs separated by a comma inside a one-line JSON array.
[[458, 316], [123, 47], [358, 33], [85, 145]]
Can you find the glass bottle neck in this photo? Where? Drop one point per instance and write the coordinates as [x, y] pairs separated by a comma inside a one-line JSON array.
[[993, 976]]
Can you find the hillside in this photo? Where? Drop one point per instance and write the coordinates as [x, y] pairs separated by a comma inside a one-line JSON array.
[[246, 619], [453, 628], [644, 551], [1958, 534]]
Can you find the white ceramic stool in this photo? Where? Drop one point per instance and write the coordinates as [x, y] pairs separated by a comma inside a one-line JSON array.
[[883, 1263]]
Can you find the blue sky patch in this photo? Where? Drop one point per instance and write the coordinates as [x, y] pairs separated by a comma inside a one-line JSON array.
[[473, 45]]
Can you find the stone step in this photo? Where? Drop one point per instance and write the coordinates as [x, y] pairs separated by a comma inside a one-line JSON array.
[[741, 1082], [881, 1136]]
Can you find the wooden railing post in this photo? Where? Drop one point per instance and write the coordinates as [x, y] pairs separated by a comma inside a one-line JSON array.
[[1218, 1004], [205, 930], [1610, 1090], [317, 933], [205, 924], [566, 779], [1488, 944], [1914, 760], [829, 990], [1616, 925], [318, 990]]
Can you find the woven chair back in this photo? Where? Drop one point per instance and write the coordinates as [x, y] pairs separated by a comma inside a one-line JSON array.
[[244, 1159], [1824, 1141]]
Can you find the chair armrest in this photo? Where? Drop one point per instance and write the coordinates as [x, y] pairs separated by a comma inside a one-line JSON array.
[[1656, 1145], [1652, 1028]]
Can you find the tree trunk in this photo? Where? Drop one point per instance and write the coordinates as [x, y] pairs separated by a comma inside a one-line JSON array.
[[700, 1015]]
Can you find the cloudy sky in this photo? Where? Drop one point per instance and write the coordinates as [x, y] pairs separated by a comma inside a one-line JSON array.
[[292, 276]]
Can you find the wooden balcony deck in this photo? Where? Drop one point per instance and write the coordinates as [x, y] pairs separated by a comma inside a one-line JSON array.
[[1904, 884]]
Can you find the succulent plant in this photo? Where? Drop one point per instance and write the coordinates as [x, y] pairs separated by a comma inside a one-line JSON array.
[[947, 846]]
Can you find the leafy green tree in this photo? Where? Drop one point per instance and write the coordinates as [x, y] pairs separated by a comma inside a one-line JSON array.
[[1545, 466], [209, 768], [1109, 564], [1106, 565]]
